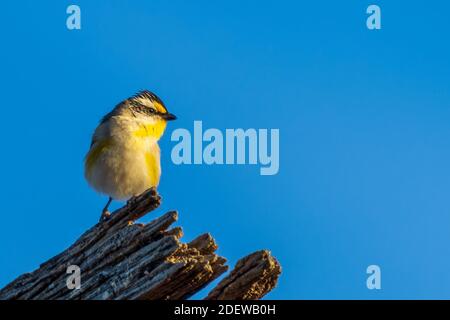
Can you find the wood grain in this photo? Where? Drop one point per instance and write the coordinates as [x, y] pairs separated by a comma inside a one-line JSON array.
[[120, 259]]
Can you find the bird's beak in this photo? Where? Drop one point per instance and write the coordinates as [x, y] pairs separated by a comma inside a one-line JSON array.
[[168, 116]]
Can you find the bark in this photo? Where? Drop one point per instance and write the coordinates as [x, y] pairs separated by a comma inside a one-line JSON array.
[[252, 278], [121, 259]]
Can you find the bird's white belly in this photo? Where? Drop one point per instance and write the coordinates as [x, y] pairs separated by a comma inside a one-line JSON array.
[[123, 171]]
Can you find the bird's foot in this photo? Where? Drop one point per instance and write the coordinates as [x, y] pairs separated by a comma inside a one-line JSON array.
[[105, 215]]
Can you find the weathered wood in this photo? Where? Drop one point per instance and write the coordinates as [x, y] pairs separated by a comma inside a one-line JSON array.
[[120, 259], [251, 279]]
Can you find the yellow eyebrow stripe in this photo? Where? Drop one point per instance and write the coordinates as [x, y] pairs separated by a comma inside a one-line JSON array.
[[159, 107]]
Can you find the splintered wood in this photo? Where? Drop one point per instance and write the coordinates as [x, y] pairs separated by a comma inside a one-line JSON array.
[[122, 260]]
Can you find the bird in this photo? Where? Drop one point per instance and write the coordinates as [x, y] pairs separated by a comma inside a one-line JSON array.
[[123, 160]]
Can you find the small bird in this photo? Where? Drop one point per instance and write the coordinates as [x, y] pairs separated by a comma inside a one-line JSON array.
[[124, 158]]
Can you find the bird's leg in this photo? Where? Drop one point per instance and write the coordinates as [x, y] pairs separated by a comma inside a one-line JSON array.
[[105, 212]]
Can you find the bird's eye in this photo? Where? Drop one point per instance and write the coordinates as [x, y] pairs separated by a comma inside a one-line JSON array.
[[144, 109]]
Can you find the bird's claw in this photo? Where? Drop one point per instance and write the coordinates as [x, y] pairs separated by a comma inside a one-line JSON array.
[[105, 216]]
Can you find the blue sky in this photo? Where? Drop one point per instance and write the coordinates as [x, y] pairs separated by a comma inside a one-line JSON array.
[[364, 132]]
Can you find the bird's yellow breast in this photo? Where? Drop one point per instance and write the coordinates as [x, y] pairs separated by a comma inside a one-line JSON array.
[[121, 158], [124, 159], [152, 161], [153, 130]]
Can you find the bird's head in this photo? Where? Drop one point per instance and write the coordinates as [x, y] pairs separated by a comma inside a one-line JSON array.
[[150, 114], [147, 104]]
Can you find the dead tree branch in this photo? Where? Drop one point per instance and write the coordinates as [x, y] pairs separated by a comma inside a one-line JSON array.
[[120, 259]]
